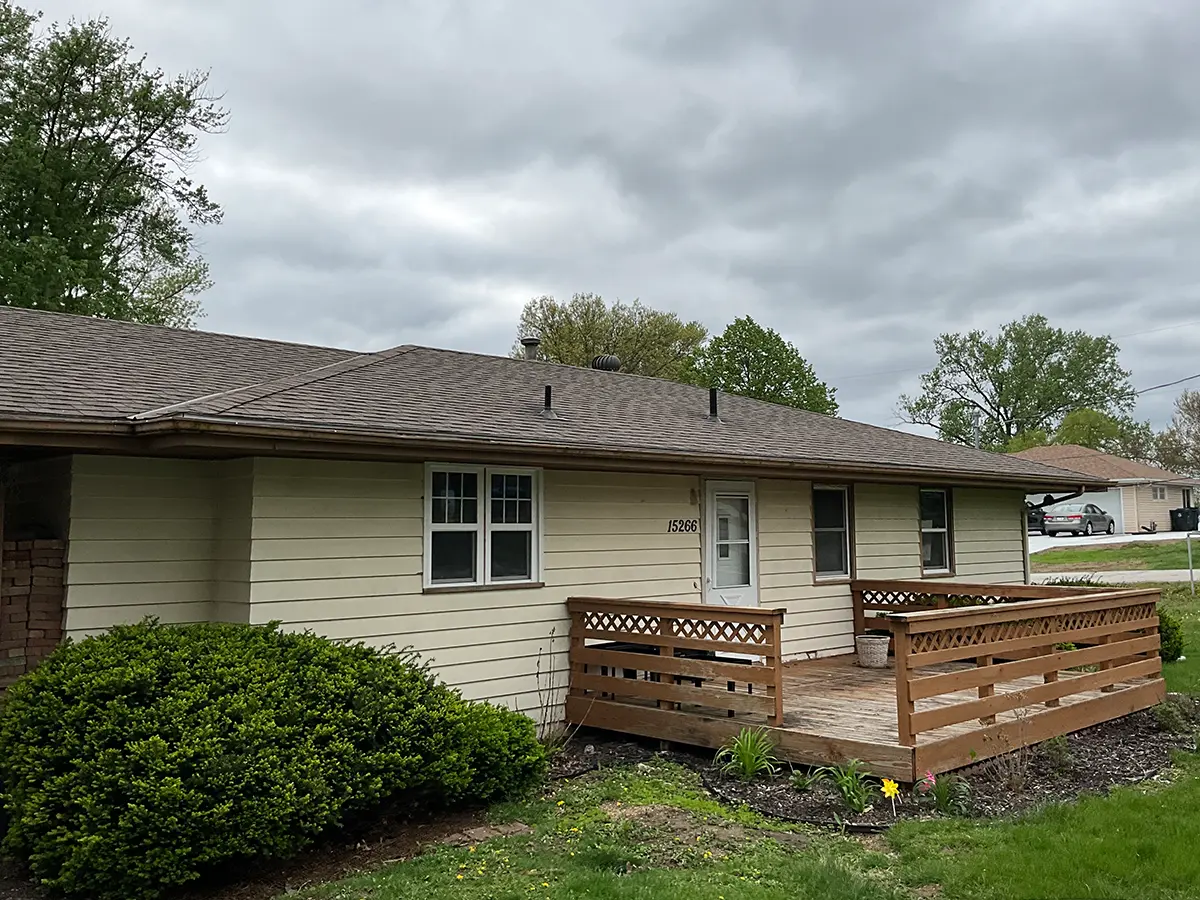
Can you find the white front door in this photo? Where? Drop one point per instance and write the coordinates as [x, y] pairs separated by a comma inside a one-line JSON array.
[[730, 544]]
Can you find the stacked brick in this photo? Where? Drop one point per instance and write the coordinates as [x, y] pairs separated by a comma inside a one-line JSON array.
[[31, 605]]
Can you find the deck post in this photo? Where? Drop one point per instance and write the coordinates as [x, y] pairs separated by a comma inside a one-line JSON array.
[[985, 690], [666, 630], [856, 602], [775, 660], [575, 644], [904, 705]]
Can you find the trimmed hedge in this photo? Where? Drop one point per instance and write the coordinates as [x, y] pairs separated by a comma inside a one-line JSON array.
[[144, 758]]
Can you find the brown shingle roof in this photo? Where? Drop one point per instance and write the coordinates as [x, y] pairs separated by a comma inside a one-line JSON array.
[[54, 366], [1095, 463], [74, 366]]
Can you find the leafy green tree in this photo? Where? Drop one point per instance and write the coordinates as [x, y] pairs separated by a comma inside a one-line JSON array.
[[757, 362], [1178, 447], [1025, 440], [96, 206], [647, 341], [1025, 378], [1119, 435]]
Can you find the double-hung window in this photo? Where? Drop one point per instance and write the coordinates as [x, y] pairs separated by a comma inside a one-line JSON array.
[[831, 531], [936, 536], [481, 525], [1158, 492]]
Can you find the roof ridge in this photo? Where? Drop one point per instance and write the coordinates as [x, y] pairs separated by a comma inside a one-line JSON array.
[[173, 329], [262, 389]]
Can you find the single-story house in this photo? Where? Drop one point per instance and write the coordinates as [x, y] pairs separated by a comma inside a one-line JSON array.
[[1140, 497], [453, 501]]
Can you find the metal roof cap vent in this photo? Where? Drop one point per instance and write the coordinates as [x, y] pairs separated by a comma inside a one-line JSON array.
[[531, 344], [606, 363], [712, 405], [548, 406]]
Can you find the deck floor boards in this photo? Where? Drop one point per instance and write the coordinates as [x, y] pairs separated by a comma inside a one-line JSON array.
[[834, 697]]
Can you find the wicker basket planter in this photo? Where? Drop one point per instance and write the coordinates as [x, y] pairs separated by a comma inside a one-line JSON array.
[[872, 650]]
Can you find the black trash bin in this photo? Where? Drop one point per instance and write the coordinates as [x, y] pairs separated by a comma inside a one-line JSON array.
[[1185, 519]]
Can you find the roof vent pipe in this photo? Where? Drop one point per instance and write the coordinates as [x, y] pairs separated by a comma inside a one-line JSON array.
[[607, 363], [531, 344], [548, 406], [712, 405]]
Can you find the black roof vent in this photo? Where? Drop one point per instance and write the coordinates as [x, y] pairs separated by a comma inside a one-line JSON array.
[[606, 363]]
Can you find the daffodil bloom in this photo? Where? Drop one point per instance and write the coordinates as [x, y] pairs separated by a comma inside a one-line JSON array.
[[890, 789]]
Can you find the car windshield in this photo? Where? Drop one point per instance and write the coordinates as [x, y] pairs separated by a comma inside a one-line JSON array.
[[1066, 508]]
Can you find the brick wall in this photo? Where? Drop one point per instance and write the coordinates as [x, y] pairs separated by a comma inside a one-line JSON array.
[[31, 605]]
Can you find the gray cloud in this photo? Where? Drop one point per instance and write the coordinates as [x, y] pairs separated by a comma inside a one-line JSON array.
[[859, 175]]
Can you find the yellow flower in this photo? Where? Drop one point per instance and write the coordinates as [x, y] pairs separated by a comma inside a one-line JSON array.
[[460, 878], [890, 789]]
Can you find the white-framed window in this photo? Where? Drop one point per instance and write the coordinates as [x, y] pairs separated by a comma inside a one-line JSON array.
[[482, 525], [831, 531], [936, 537], [1158, 492]]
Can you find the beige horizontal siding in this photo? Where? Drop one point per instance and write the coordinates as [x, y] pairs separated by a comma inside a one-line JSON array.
[[338, 548], [819, 619], [140, 541], [1157, 511], [989, 530], [887, 537]]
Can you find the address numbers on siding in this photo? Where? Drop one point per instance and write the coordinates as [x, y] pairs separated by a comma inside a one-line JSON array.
[[683, 525]]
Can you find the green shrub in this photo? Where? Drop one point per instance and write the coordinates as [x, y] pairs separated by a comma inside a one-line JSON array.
[[1170, 636], [145, 758], [1173, 715], [750, 754]]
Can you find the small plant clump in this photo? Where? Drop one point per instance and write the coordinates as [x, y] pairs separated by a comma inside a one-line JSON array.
[[1172, 717], [748, 755], [948, 794], [805, 779], [853, 783], [1170, 636], [1057, 752]]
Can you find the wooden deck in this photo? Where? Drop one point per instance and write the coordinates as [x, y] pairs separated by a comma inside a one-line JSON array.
[[966, 683]]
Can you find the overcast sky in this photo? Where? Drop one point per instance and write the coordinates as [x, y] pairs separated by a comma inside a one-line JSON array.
[[860, 176]]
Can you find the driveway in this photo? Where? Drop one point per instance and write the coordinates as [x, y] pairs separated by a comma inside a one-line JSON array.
[[1041, 542], [1125, 577]]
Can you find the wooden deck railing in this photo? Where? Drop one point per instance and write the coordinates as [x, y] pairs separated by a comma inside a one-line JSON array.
[[1095, 641], [674, 656], [874, 600]]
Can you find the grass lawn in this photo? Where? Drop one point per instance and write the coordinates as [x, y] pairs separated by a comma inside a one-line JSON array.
[[1138, 555], [650, 832], [1133, 843], [646, 832]]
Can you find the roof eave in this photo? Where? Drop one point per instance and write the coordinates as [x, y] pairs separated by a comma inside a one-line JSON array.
[[173, 434]]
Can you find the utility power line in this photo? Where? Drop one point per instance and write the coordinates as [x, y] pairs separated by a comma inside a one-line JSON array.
[[1168, 384]]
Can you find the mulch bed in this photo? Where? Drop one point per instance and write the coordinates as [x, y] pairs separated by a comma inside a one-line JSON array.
[[1124, 751]]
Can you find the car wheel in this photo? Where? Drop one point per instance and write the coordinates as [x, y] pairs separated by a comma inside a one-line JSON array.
[[1087, 530], [1112, 527]]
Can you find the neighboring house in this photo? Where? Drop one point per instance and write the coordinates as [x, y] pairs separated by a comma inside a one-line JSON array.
[[1143, 495], [453, 501]]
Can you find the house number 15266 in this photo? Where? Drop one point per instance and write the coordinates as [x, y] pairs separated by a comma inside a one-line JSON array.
[[683, 525]]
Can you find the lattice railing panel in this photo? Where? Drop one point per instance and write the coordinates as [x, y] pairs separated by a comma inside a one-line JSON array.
[[1049, 626], [728, 632], [627, 623], [906, 599]]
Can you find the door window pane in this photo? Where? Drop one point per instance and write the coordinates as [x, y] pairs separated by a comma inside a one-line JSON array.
[[735, 511], [452, 556], [732, 567], [512, 555], [933, 550]]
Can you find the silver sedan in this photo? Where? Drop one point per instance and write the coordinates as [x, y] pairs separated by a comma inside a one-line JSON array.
[[1078, 518]]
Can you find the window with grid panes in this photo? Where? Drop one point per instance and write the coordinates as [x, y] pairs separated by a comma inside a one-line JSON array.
[[481, 526]]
